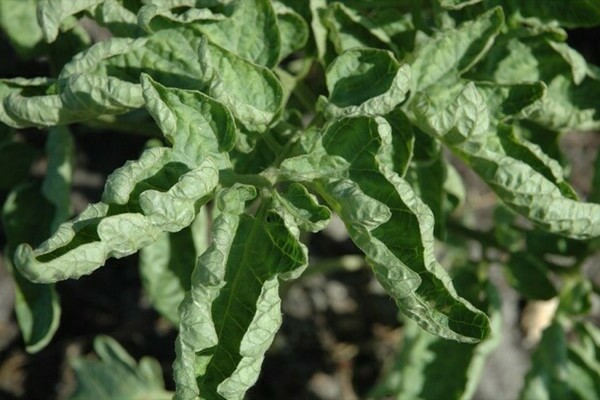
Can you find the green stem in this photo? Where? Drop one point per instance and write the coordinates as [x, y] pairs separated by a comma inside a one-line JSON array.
[[272, 142], [285, 151]]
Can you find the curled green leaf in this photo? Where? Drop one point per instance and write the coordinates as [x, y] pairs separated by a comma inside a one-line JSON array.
[[230, 316], [303, 208], [52, 13], [247, 28], [133, 214], [292, 29], [521, 175], [392, 226], [454, 51], [350, 29], [252, 93], [193, 122], [365, 82]]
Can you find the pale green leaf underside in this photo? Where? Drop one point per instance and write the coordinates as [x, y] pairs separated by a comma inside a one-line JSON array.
[[569, 107], [250, 31], [14, 87], [317, 26], [390, 224], [231, 315], [117, 376], [132, 215]]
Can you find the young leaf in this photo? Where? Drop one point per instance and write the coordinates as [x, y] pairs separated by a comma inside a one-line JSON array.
[[117, 376], [230, 316]]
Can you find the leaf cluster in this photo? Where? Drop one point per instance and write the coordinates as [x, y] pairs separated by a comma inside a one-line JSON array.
[[274, 115]]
